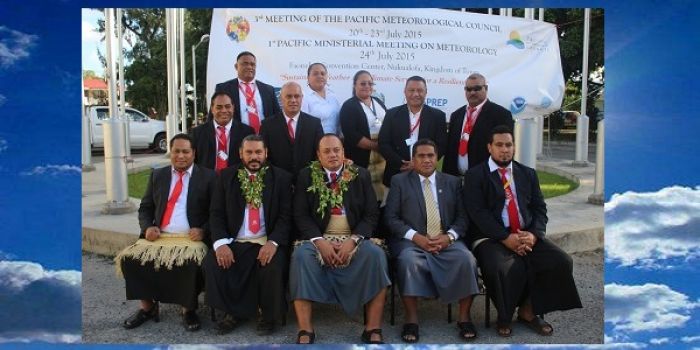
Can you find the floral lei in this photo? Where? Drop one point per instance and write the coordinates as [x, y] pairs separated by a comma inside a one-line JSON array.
[[329, 198], [252, 190]]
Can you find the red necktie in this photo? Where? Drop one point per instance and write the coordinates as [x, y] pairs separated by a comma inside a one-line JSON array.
[[221, 143], [170, 207], [253, 215], [253, 118], [468, 126], [513, 220], [290, 129], [334, 187]]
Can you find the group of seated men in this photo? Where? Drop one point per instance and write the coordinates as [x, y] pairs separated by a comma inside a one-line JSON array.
[[235, 212]]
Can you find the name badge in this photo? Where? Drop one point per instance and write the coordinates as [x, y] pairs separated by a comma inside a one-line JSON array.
[[251, 109], [410, 142], [465, 136], [222, 155]]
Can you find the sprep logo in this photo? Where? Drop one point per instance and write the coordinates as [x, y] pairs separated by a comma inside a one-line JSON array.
[[436, 102], [515, 40], [237, 28], [518, 105]]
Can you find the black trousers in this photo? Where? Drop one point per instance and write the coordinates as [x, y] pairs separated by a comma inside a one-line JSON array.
[[181, 285], [543, 275], [244, 286]]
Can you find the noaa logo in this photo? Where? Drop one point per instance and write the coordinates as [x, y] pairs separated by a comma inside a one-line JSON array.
[[546, 102], [237, 28], [518, 105], [515, 40]]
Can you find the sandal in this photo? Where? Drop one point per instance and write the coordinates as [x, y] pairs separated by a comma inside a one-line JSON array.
[[467, 330], [538, 325], [367, 336], [302, 333], [410, 329], [504, 329]]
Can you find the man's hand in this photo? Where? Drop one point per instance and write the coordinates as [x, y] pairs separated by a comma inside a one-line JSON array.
[[407, 165], [527, 241], [196, 234], [266, 253], [512, 242], [344, 251], [152, 233], [439, 242], [327, 251], [423, 242], [224, 256]]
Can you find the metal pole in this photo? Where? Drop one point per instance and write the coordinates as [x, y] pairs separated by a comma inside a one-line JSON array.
[[172, 114], [582, 130], [194, 85], [526, 140], [86, 144], [541, 14], [115, 158], [598, 196], [122, 87], [203, 39], [490, 11], [183, 101]]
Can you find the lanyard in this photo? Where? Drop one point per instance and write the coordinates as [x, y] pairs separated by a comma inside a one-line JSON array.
[[252, 91], [414, 127]]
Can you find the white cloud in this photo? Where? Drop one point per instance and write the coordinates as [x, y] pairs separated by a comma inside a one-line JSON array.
[[659, 341], [644, 229], [39, 304], [52, 169], [14, 45], [3, 99], [690, 339], [3, 145], [645, 307]]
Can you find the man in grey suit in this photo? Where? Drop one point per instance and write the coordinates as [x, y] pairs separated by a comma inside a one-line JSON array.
[[427, 221]]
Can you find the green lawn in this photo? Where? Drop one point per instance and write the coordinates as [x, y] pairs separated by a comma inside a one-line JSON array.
[[555, 185], [552, 185]]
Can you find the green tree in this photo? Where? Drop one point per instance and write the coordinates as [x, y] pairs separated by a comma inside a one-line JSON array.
[[146, 75]]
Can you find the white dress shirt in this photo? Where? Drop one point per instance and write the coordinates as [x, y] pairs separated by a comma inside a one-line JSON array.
[[433, 188], [228, 134], [326, 109], [244, 106], [509, 175], [463, 161], [178, 221], [375, 117]]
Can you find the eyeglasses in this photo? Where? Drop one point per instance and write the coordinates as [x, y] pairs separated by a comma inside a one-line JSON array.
[[474, 88], [366, 83]]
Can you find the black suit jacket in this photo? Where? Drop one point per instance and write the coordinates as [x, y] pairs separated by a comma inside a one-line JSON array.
[[396, 129], [353, 122], [491, 115], [228, 205], [267, 94], [405, 207], [199, 192], [204, 141], [281, 152], [359, 202], [484, 198]]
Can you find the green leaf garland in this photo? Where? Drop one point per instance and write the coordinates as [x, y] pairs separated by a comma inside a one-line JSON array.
[[329, 198], [252, 190]]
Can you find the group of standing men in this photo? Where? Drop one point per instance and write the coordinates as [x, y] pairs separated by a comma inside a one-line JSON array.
[[257, 177]]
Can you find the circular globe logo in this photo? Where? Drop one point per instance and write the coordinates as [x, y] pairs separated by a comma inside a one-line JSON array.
[[518, 105], [237, 28]]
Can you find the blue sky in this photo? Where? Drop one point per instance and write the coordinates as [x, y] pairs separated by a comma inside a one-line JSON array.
[[652, 103]]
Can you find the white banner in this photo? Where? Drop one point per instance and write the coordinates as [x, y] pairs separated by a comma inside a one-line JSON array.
[[519, 58]]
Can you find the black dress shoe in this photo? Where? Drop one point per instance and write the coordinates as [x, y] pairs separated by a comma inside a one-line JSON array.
[[142, 316], [265, 327], [191, 320], [226, 324]]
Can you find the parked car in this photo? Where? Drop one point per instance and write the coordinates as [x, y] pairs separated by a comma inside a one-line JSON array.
[[144, 132]]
